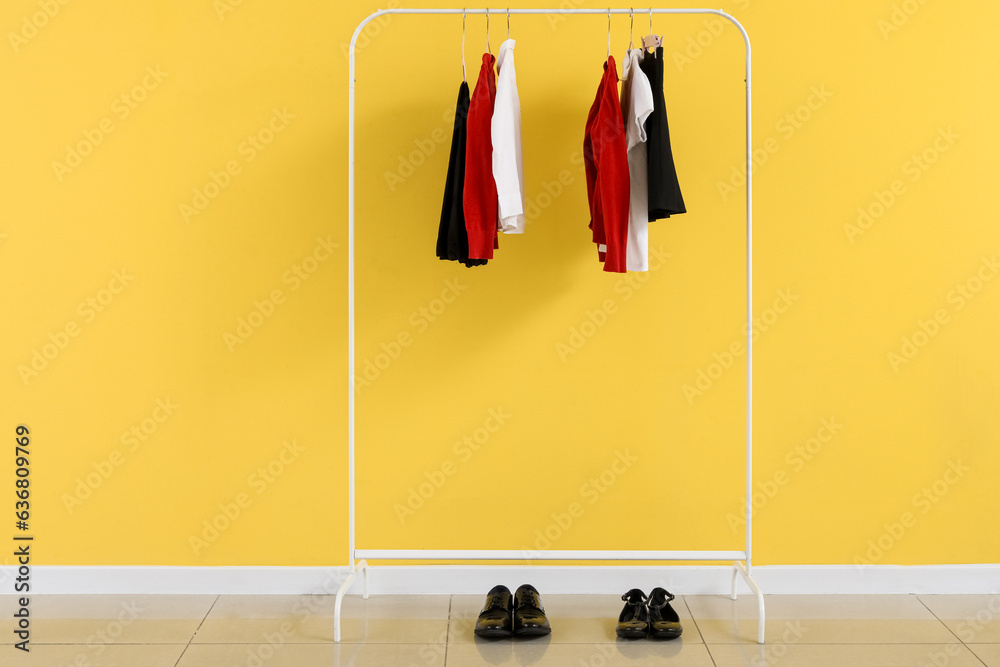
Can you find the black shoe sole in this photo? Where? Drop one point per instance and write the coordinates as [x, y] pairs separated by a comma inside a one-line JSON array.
[[532, 632], [664, 635], [631, 634], [493, 633]]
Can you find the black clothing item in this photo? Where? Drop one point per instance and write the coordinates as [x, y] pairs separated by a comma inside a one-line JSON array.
[[452, 239], [664, 191]]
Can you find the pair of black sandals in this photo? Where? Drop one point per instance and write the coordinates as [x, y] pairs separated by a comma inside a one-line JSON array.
[[651, 616]]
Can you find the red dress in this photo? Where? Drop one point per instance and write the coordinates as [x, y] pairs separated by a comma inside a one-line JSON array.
[[480, 192], [605, 154]]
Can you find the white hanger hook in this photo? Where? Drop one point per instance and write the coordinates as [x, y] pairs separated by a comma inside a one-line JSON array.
[[488, 31], [609, 32], [631, 20], [508, 23], [465, 76]]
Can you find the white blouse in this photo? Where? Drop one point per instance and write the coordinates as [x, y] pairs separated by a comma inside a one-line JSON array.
[[506, 134], [637, 104]]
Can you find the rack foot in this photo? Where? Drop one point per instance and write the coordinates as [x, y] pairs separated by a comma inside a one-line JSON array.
[[342, 591], [740, 569]]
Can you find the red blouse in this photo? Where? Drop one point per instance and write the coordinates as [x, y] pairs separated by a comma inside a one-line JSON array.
[[605, 156], [480, 192]]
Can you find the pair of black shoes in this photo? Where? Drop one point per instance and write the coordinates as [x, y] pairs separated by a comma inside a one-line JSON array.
[[521, 614], [651, 617]]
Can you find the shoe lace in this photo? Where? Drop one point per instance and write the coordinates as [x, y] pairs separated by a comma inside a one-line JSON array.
[[496, 601], [530, 598]]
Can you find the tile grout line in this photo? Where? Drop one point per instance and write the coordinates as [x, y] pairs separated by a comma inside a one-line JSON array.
[[188, 645], [696, 627], [447, 631], [966, 646], [931, 611]]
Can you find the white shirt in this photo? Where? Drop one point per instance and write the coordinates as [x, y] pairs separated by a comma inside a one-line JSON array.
[[506, 134], [637, 104]]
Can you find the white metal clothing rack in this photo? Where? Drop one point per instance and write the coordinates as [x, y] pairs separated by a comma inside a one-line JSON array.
[[742, 559]]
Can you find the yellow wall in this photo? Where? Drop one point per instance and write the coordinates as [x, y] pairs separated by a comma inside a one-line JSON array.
[[175, 298]]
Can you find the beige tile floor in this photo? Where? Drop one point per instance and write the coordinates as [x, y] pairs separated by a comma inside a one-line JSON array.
[[433, 631]]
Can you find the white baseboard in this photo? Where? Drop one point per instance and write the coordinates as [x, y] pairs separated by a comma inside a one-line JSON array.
[[477, 579]]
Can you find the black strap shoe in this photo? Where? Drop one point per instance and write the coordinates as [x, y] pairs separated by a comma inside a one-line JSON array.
[[633, 622], [529, 615], [495, 620], [663, 620]]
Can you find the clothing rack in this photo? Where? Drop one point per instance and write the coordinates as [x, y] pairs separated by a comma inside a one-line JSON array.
[[357, 557]]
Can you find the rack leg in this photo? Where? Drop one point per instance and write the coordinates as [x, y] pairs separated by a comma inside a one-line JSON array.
[[342, 591], [739, 568]]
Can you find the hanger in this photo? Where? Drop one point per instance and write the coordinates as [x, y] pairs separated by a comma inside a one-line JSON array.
[[488, 31], [651, 41], [631, 18], [464, 75], [508, 23], [609, 32]]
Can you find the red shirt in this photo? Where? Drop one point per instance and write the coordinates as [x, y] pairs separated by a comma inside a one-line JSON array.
[[605, 154], [480, 192]]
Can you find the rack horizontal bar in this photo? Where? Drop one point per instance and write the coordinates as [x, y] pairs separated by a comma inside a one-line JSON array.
[[516, 554]]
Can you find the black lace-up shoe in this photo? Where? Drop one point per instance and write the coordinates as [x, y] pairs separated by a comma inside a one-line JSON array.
[[529, 615], [633, 622], [663, 620], [495, 619]]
